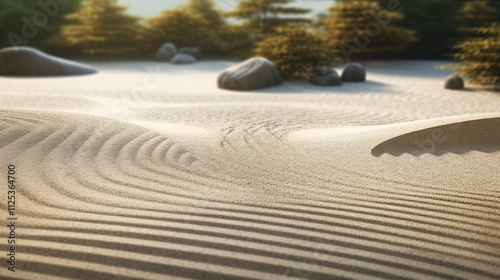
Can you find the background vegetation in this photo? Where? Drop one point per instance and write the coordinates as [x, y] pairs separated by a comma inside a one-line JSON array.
[[15, 13], [423, 29], [366, 29], [296, 52]]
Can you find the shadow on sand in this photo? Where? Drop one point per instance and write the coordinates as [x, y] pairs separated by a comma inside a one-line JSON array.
[[478, 135], [304, 87]]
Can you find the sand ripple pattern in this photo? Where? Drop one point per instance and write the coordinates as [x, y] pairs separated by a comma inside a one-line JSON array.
[[103, 199]]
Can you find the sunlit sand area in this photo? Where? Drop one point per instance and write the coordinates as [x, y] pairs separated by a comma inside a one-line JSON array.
[[148, 169], [200, 144]]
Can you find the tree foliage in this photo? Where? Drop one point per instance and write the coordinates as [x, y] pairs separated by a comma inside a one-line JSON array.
[[295, 51], [214, 43], [179, 26], [208, 10], [481, 56], [101, 28], [11, 13], [476, 14], [435, 23], [235, 41], [364, 28], [262, 17], [15, 15]]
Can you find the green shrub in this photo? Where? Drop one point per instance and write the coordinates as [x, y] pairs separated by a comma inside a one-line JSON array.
[[480, 57], [296, 52], [476, 14], [236, 41], [364, 28], [215, 24], [16, 15], [435, 23], [101, 28], [260, 18], [179, 26]]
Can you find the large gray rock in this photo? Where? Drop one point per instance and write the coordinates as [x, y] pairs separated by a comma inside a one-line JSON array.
[[166, 52], [454, 82], [195, 52], [183, 59], [327, 78], [30, 62], [254, 73], [354, 72], [321, 71]]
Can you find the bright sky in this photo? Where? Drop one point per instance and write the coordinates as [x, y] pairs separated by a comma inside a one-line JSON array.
[[149, 8]]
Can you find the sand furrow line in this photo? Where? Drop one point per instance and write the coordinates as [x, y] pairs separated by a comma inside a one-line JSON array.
[[389, 261], [245, 264], [285, 233]]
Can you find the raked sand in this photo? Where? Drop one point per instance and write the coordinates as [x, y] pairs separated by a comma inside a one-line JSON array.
[[148, 171]]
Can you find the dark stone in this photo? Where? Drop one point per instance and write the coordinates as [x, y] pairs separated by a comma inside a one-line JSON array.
[[30, 62], [321, 71], [166, 52], [454, 82], [183, 59], [330, 79], [354, 72], [254, 73]]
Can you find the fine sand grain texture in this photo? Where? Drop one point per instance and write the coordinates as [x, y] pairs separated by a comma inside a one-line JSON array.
[[149, 171]]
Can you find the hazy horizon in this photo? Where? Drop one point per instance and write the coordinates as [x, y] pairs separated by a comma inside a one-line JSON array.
[[154, 7]]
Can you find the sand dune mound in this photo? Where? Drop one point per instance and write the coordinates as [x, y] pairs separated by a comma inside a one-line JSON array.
[[106, 199], [458, 137], [189, 181]]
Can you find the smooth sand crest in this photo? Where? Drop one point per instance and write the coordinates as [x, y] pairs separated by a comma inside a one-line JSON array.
[[182, 182], [468, 134]]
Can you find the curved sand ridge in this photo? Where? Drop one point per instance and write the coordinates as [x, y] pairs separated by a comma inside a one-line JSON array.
[[105, 199], [474, 134]]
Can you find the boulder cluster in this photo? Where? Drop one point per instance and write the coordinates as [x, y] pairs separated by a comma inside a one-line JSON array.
[[259, 72], [168, 53], [353, 72]]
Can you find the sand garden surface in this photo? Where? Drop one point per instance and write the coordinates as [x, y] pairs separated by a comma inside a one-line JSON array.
[[149, 171]]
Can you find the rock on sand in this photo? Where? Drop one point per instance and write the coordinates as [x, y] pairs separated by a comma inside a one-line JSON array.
[[30, 62], [183, 59], [327, 79], [254, 73], [454, 82], [166, 52], [354, 72]]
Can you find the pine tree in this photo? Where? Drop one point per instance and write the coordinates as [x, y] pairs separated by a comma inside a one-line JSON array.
[[214, 27], [179, 26], [208, 10], [262, 17], [102, 28], [480, 56], [15, 14], [472, 15], [296, 52], [496, 5], [475, 14], [11, 13], [435, 23], [318, 23], [363, 28]]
